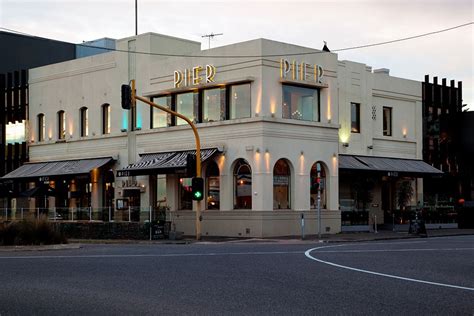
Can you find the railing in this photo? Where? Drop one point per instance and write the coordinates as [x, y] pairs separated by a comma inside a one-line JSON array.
[[87, 214]]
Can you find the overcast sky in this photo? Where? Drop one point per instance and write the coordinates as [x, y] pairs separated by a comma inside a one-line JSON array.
[[342, 23]]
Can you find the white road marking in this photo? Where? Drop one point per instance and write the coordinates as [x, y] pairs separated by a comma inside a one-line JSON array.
[[308, 254], [394, 250]]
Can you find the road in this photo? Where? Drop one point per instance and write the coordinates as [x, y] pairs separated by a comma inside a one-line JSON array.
[[432, 276]]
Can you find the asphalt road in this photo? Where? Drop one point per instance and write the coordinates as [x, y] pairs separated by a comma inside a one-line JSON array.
[[243, 279]]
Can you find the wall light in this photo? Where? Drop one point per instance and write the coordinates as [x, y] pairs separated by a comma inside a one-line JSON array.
[[370, 147], [266, 150], [302, 153], [345, 144], [257, 150], [123, 130], [256, 114]]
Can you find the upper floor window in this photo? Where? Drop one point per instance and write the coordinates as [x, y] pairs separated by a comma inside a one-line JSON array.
[[187, 105], [159, 118], [61, 125], [387, 121], [239, 105], [213, 105], [300, 103], [41, 127], [355, 118], [84, 120], [106, 118]]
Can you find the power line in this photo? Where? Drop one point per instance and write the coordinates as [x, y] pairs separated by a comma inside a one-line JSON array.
[[258, 56]]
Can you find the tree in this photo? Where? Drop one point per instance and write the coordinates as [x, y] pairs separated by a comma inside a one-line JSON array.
[[404, 194]]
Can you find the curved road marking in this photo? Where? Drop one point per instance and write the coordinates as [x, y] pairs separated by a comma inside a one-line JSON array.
[[307, 253]]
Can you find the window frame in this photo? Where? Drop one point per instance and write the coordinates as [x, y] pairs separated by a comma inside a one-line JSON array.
[[84, 121], [61, 128], [198, 106], [357, 121], [41, 127], [387, 131], [106, 126], [317, 89]]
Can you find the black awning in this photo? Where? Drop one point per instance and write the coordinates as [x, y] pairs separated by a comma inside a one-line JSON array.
[[385, 164], [56, 168], [163, 163]]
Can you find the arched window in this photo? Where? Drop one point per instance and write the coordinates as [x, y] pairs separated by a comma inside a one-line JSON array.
[[318, 181], [61, 125], [242, 185], [213, 186], [41, 127], [105, 118], [281, 185], [84, 121]]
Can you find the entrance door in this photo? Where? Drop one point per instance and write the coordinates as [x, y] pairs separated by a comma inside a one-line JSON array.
[[386, 202]]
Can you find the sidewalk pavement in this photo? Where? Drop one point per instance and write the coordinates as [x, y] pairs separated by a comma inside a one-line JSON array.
[[310, 239]]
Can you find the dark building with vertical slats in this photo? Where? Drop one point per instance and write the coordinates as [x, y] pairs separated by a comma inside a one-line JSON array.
[[18, 54], [447, 141]]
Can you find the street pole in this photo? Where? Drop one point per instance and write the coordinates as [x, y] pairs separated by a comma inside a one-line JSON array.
[[318, 169], [319, 213], [198, 149]]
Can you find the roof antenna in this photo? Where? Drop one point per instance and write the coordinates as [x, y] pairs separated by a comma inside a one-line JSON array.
[[325, 48], [209, 36]]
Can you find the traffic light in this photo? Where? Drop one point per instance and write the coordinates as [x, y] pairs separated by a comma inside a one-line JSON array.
[[198, 188], [126, 97], [191, 165]]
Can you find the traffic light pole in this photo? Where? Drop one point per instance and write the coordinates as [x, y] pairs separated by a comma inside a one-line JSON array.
[[198, 149]]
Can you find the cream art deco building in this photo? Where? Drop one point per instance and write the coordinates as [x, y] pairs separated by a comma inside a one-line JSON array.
[[272, 117]]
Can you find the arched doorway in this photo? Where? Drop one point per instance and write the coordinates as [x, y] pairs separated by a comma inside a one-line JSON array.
[[281, 185], [242, 185]]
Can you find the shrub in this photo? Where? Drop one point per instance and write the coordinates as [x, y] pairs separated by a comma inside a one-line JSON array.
[[30, 232]]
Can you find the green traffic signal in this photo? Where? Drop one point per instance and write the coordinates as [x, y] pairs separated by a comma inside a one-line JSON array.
[[198, 189]]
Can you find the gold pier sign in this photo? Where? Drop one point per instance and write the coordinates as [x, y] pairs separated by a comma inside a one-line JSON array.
[[301, 71], [195, 76]]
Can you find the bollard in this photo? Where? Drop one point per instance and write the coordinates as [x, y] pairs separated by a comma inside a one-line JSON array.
[[110, 214], [393, 222], [22, 213], [302, 226], [150, 220], [375, 224], [37, 213], [90, 214], [129, 214]]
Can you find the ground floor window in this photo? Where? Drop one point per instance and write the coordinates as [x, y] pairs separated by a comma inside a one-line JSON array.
[[318, 181], [281, 185], [185, 194], [242, 185]]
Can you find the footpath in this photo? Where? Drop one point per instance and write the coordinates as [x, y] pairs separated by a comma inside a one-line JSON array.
[[309, 239]]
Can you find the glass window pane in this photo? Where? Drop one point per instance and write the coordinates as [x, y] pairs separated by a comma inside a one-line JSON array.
[[185, 103], [214, 105], [300, 103], [355, 118], [387, 121], [161, 189], [243, 185], [160, 118], [281, 185], [240, 101], [185, 194]]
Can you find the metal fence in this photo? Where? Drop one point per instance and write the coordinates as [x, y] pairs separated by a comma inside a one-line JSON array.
[[87, 214]]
